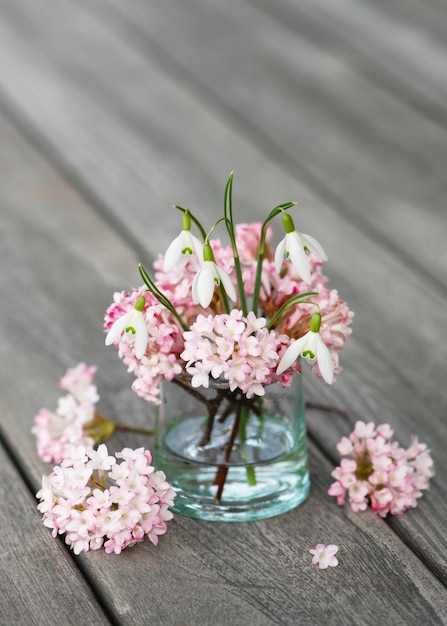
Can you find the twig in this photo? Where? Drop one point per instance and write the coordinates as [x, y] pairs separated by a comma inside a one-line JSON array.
[[134, 429], [223, 469], [325, 407]]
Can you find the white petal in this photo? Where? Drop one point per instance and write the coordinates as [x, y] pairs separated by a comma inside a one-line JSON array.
[[198, 248], [324, 360], [292, 353], [297, 255], [195, 293], [314, 246], [279, 255], [205, 284], [324, 562], [173, 253], [227, 283], [117, 328], [141, 335]]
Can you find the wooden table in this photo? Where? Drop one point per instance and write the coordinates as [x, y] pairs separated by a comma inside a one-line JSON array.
[[112, 111]]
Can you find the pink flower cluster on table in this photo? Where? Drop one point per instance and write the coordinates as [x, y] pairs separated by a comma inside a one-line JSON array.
[[55, 431], [380, 472], [96, 501], [167, 355]]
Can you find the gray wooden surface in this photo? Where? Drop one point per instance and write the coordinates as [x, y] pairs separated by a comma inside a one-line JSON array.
[[112, 111]]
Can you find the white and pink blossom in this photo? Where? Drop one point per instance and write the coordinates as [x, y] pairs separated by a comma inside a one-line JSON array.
[[231, 350], [208, 277], [381, 474], [182, 247], [133, 324], [82, 500], [312, 347], [57, 430], [294, 246], [191, 289], [324, 556]]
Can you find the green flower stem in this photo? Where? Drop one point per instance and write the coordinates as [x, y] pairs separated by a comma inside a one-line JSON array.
[[160, 296], [228, 211], [245, 416], [249, 470], [251, 475], [194, 219], [294, 300], [261, 250]]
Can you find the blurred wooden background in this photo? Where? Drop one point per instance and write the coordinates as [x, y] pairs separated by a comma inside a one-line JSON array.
[[110, 112]]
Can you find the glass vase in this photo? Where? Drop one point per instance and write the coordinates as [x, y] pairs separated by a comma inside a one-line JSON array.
[[230, 458]]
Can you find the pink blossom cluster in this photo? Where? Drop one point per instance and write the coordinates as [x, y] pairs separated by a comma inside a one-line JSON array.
[[56, 430], [380, 472], [235, 348], [96, 501], [164, 358]]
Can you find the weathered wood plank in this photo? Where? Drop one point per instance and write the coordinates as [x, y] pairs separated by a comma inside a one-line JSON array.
[[390, 149], [385, 272], [69, 128], [40, 582], [260, 573], [365, 152], [406, 40], [201, 573], [377, 383]]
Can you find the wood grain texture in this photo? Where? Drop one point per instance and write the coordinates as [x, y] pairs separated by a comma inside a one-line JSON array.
[[200, 573], [406, 39], [260, 573], [302, 94], [387, 272], [70, 128], [112, 114], [364, 152], [40, 583]]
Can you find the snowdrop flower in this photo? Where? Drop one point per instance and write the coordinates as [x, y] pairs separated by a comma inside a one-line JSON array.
[[294, 246], [132, 322], [312, 346], [183, 246], [324, 556], [208, 277]]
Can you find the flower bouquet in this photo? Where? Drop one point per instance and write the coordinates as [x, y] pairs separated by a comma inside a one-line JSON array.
[[215, 338]]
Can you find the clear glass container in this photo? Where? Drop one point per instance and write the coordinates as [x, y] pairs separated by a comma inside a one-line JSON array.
[[231, 458]]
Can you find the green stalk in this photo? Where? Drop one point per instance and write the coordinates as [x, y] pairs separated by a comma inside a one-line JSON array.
[[251, 475], [194, 219], [250, 469], [160, 296], [228, 208], [245, 416], [294, 300], [257, 287]]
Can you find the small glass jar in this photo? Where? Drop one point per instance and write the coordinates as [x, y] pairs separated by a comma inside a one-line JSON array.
[[230, 458]]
